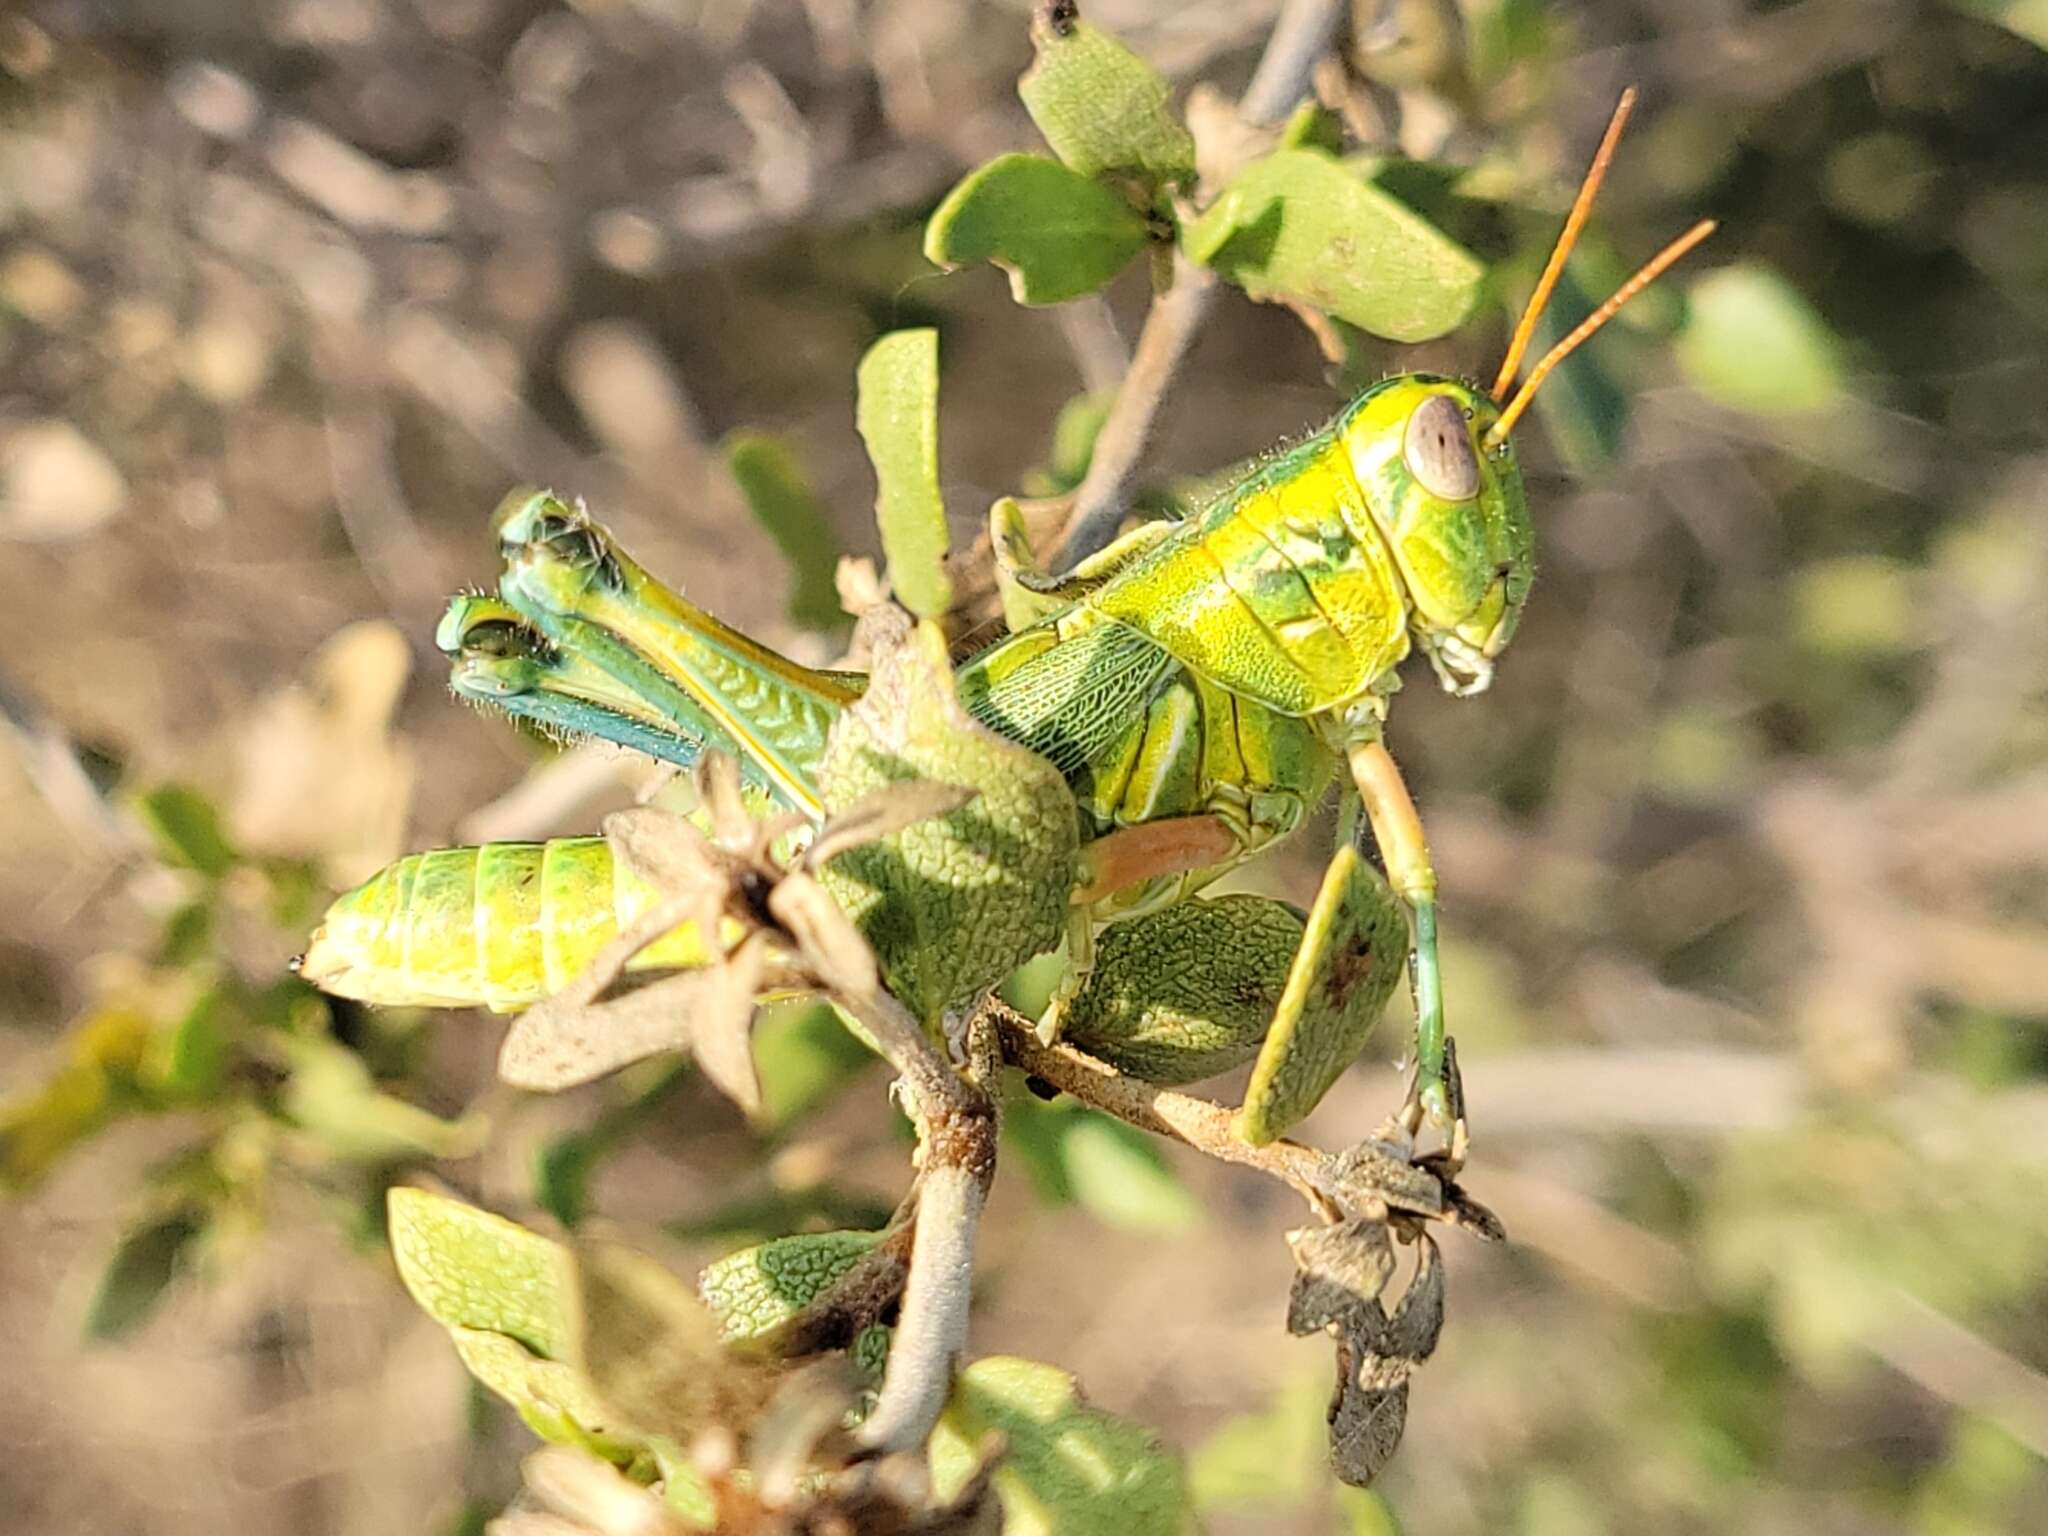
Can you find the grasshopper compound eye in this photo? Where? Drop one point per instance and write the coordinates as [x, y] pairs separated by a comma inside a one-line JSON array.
[[1439, 451]]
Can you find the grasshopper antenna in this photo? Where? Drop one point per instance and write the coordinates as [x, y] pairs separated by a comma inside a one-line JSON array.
[[1582, 205], [1650, 271]]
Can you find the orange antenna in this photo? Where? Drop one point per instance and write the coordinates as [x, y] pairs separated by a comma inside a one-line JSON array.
[[1650, 272], [1582, 205]]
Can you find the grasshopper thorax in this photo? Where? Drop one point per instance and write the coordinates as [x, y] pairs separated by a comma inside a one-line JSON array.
[[1450, 506]]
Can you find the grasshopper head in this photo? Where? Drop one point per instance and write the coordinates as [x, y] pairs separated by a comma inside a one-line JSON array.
[[1434, 458], [1450, 506]]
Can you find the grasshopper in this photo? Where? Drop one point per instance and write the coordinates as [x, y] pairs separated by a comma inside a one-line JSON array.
[[1200, 684]]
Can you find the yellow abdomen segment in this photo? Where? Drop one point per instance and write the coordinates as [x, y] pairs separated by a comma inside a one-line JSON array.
[[498, 926]]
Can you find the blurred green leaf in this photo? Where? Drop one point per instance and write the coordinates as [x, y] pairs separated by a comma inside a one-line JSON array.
[[332, 1097], [1100, 106], [189, 1061], [1074, 432], [564, 1166], [470, 1269], [805, 1056], [1070, 1470], [187, 935], [1121, 1178], [1077, 1155], [92, 1084], [2025, 18], [1298, 225], [1753, 342], [1366, 1513], [898, 417], [1275, 1456], [770, 478], [1859, 605], [758, 1289], [187, 829], [652, 1349], [141, 1271], [1058, 234]]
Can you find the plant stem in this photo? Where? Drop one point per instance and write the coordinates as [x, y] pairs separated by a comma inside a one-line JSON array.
[[1300, 37]]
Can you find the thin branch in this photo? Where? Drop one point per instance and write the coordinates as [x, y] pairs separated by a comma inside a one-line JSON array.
[[931, 1333], [1300, 37]]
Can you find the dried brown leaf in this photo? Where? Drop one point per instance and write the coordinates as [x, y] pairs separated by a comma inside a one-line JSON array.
[[827, 939], [720, 1024], [562, 1042], [664, 850]]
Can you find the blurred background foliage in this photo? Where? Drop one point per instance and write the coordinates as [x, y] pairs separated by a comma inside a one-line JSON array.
[[1742, 856]]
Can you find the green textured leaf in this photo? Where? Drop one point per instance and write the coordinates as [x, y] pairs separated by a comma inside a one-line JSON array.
[[187, 829], [782, 502], [1188, 992], [898, 417], [758, 1289], [470, 1269], [141, 1271], [955, 903], [1298, 225], [1070, 1470], [1351, 957], [1100, 106], [1058, 234], [1752, 341]]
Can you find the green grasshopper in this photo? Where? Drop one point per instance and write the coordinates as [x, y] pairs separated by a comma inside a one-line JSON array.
[[1200, 684]]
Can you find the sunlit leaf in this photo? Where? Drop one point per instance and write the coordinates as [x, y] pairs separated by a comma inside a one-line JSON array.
[[1058, 234], [756, 1290], [898, 417], [1752, 341], [1069, 1470], [468, 1268], [1100, 106], [1298, 225]]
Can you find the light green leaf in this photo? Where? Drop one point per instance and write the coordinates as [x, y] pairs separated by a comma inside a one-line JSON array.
[[470, 1269], [1752, 341], [1350, 960], [553, 1399], [1120, 1178], [758, 1289], [1188, 992], [1859, 605], [898, 417], [782, 502], [1058, 234], [142, 1269], [1300, 226], [2023, 18], [1070, 1470], [1266, 1458], [187, 829], [955, 903], [332, 1097], [40, 1123], [1100, 106]]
